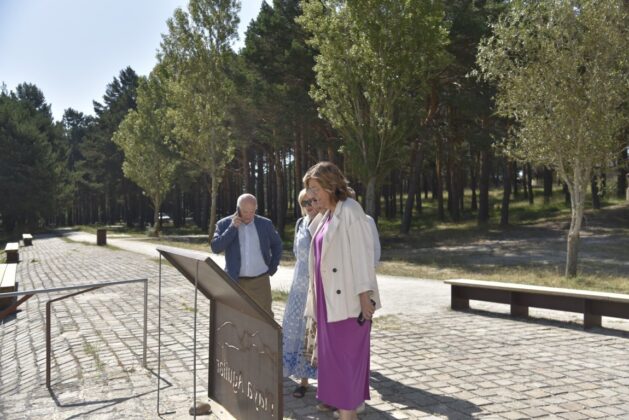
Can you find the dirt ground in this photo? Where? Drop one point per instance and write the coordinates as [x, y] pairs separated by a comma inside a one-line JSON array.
[[603, 250]]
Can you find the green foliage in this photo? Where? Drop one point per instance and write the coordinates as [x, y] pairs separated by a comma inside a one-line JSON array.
[[142, 136], [195, 57], [562, 71], [101, 170], [563, 74], [29, 163], [372, 72], [280, 66]]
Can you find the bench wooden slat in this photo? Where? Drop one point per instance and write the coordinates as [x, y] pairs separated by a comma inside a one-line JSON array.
[[12, 246], [12, 251], [8, 278], [7, 283], [515, 287], [593, 305]]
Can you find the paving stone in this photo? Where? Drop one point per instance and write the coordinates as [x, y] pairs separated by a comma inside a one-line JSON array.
[[442, 364]]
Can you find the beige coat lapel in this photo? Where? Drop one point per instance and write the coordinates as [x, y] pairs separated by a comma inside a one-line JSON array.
[[332, 228]]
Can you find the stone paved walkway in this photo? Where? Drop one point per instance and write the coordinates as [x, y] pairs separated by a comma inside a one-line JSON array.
[[427, 361]]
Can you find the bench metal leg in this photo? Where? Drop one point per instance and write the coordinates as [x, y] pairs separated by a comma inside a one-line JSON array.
[[590, 320], [458, 302], [519, 310]]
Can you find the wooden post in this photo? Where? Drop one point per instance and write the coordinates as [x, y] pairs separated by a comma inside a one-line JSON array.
[[518, 309], [459, 302], [101, 236]]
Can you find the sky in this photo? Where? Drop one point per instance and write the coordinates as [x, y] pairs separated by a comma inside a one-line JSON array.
[[72, 49]]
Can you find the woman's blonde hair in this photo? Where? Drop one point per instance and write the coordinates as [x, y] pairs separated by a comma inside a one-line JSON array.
[[331, 179], [300, 198]]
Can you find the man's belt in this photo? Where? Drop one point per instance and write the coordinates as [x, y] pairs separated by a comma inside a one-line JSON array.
[[251, 278]]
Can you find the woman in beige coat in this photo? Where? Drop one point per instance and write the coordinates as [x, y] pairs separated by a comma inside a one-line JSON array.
[[343, 293]]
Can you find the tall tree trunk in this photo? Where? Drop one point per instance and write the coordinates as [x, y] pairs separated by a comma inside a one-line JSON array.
[[439, 181], [205, 203], [596, 199], [420, 181], [566, 192], [474, 181], [244, 162], [448, 179], [484, 181], [529, 181], [506, 192], [128, 209], [107, 216], [577, 192], [197, 193], [387, 204], [621, 183], [415, 165], [260, 195], [299, 171], [157, 221], [403, 187], [395, 178], [514, 179], [179, 214], [270, 190], [370, 198], [462, 181], [281, 196], [331, 150], [213, 193], [428, 181], [548, 184], [454, 196]]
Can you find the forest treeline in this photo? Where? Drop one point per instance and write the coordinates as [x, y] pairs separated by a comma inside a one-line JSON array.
[[413, 99]]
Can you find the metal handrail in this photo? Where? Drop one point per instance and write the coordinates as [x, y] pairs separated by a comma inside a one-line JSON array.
[[87, 287]]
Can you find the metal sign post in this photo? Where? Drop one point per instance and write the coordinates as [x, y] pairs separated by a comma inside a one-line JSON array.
[[245, 364]]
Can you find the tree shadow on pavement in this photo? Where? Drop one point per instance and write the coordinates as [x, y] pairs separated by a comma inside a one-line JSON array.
[[418, 399]]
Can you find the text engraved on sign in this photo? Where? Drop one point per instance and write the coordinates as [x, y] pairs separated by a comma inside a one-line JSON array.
[[233, 341]]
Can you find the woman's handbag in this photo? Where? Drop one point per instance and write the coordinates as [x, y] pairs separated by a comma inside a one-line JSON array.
[[310, 341]]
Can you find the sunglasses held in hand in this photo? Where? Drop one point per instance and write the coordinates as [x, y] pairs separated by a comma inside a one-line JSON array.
[[306, 203]]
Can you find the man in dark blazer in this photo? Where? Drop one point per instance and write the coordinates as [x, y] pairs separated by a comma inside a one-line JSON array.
[[252, 249]]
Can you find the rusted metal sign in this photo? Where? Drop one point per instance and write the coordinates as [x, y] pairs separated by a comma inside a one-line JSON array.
[[245, 372]]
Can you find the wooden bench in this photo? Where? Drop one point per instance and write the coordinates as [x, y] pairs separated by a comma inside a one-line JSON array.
[[593, 305], [7, 283], [13, 252], [27, 238]]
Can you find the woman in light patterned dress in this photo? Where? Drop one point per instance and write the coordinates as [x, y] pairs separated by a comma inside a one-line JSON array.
[[294, 323]]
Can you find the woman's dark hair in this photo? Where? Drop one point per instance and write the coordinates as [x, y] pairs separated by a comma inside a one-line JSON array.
[[331, 179]]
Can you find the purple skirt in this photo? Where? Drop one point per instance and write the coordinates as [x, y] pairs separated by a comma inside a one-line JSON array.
[[342, 353]]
